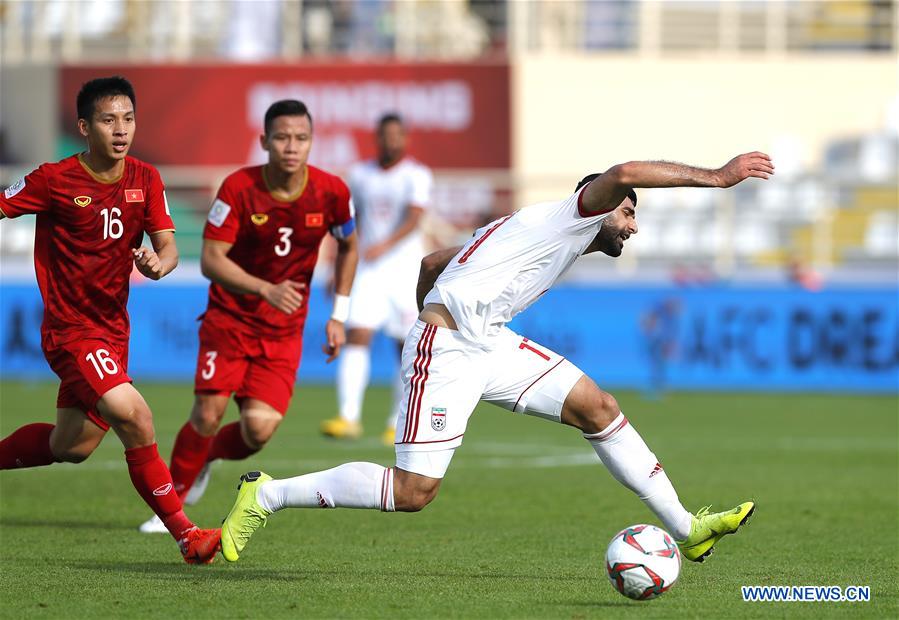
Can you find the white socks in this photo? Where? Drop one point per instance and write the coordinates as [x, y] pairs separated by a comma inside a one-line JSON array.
[[632, 463], [353, 368], [351, 485]]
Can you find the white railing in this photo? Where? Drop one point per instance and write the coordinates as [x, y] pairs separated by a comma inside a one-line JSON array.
[[34, 31]]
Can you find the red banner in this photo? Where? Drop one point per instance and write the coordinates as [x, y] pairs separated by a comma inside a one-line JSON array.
[[210, 115]]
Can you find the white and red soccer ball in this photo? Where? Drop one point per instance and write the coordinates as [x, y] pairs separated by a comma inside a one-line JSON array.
[[642, 562]]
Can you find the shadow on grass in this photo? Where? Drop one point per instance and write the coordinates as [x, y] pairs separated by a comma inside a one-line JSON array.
[[222, 571], [69, 525], [179, 570]]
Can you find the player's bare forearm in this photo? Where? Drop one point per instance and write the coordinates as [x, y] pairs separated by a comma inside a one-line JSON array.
[[215, 265], [610, 188], [167, 250], [432, 266], [345, 264]]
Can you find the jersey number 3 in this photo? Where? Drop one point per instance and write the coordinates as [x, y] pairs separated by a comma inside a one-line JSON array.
[[208, 372], [283, 247]]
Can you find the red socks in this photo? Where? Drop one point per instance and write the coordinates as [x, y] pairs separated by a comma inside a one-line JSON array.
[[28, 446], [152, 479], [192, 451], [229, 444], [188, 457]]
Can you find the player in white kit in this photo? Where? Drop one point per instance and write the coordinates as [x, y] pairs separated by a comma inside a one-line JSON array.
[[460, 351], [390, 193]]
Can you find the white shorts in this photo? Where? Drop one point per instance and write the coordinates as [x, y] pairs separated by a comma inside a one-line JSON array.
[[444, 377], [383, 296]]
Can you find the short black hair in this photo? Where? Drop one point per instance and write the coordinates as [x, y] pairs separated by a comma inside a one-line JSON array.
[[390, 117], [285, 107], [630, 193], [94, 90]]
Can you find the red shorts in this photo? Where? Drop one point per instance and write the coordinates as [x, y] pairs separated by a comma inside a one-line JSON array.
[[87, 369], [233, 362]]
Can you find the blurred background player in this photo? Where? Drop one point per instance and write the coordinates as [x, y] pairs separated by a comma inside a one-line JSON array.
[[460, 352], [92, 212], [391, 194], [260, 246]]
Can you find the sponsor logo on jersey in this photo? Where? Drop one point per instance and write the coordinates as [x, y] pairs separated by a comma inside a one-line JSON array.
[[14, 189], [218, 213], [134, 195], [438, 418], [82, 201], [165, 489], [315, 220], [259, 218]]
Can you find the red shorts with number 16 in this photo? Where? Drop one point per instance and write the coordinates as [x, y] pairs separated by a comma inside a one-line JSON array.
[[231, 361], [87, 369]]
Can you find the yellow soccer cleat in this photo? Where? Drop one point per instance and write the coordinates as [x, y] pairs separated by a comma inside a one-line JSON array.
[[338, 428], [707, 529], [246, 516], [388, 437]]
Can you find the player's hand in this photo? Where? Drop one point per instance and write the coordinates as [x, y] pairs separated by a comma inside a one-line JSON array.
[[376, 251], [742, 167], [147, 262], [286, 296], [335, 337]]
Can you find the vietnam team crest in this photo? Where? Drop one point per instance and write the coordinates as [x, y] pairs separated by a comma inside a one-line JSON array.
[[438, 418], [259, 218], [82, 201]]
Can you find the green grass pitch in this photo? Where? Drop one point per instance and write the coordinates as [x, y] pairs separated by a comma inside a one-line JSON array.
[[518, 530]]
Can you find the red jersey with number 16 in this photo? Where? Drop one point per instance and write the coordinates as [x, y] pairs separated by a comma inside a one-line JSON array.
[[274, 240], [84, 234]]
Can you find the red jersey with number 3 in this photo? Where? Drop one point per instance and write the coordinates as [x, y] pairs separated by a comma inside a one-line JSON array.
[[274, 240], [84, 234]]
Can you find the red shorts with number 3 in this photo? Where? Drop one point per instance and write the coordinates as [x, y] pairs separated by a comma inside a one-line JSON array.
[[87, 369], [231, 361]]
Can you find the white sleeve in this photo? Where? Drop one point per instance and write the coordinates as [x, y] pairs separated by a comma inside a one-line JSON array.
[[421, 186]]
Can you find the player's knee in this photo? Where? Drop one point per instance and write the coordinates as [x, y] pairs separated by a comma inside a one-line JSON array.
[[414, 497], [416, 501], [608, 406], [257, 435], [71, 454], [134, 419], [601, 408], [207, 415]]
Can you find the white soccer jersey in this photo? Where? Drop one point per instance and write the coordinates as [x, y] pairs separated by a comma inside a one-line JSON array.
[[508, 264], [382, 198]]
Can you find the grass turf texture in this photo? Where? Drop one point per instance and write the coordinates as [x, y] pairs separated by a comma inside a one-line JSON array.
[[519, 528]]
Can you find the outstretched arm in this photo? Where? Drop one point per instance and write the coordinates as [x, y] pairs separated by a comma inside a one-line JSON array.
[[432, 266], [610, 188]]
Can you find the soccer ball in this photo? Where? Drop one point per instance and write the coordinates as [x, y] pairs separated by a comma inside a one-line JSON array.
[[642, 562]]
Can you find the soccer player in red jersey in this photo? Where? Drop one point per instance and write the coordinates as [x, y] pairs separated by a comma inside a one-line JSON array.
[[92, 212], [260, 247]]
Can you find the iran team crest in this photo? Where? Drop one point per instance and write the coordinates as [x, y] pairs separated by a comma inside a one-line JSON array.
[[438, 418]]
